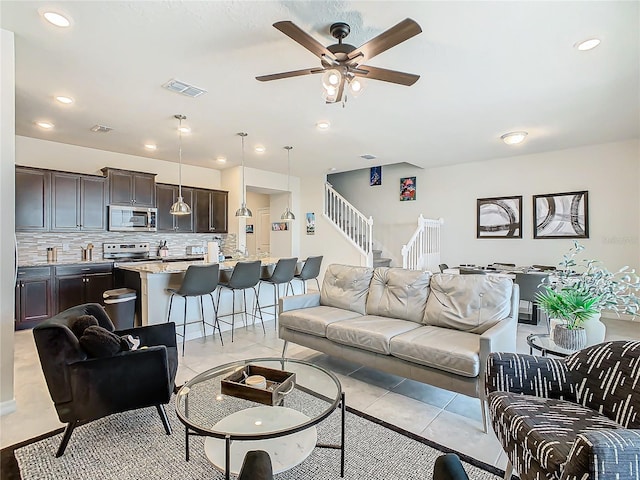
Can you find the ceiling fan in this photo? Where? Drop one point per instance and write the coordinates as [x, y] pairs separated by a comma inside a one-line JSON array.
[[342, 63]]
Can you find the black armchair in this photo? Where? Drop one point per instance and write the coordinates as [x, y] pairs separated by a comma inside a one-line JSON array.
[[85, 389], [572, 418]]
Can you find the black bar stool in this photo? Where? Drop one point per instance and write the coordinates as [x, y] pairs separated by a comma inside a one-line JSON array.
[[199, 280], [310, 270], [282, 274], [245, 275]]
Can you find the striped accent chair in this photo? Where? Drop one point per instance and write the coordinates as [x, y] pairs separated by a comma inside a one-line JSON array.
[[569, 419]]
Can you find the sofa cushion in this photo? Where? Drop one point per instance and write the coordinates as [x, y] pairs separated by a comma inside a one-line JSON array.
[[471, 303], [370, 332], [346, 287], [541, 429], [398, 293], [442, 348], [314, 320]]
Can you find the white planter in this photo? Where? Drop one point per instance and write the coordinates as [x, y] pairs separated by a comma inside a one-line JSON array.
[[595, 329]]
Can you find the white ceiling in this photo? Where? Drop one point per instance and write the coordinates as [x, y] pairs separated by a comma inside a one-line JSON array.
[[486, 68]]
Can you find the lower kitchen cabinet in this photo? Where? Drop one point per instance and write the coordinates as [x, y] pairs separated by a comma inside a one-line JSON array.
[[34, 299], [77, 284]]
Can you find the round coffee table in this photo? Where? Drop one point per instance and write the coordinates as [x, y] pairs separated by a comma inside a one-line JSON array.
[[235, 425], [544, 344]]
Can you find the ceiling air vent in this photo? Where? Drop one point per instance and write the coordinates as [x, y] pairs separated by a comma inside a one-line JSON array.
[[184, 88], [101, 129], [368, 156]]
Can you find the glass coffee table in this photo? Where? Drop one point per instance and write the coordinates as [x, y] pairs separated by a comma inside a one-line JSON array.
[[235, 425], [544, 344]]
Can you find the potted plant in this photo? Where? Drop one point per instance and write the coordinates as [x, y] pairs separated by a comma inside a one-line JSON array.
[[579, 291]]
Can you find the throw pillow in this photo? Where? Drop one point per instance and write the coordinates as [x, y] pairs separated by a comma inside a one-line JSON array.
[[470, 303], [100, 342], [80, 324]]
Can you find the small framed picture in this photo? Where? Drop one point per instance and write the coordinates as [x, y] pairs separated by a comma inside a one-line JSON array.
[[407, 189], [561, 215], [375, 176], [499, 217], [249, 228], [279, 226], [311, 223]]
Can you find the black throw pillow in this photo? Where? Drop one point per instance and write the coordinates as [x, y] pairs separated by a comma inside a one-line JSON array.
[[80, 324], [100, 342]]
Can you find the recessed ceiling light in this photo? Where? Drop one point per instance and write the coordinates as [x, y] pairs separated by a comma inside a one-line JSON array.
[[56, 18], [368, 156], [323, 125], [221, 159], [45, 125], [65, 100], [150, 146], [184, 129], [260, 149], [513, 138], [587, 44], [332, 169]]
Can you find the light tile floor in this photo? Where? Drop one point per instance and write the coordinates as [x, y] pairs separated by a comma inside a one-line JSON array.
[[450, 419]]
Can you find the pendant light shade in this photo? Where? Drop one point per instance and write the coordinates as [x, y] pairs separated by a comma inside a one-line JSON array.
[[288, 215], [243, 211], [180, 207]]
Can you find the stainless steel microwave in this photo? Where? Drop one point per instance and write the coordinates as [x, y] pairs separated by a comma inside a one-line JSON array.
[[132, 219]]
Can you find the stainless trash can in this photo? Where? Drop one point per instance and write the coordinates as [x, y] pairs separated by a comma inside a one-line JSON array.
[[120, 305]]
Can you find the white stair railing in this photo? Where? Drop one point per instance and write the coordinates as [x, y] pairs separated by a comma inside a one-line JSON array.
[[422, 251], [353, 225]]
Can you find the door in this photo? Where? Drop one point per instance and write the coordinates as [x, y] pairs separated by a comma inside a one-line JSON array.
[[120, 188], [70, 291], [93, 203], [165, 198], [262, 230], [96, 285], [33, 199], [184, 223], [144, 190], [219, 208], [33, 302], [65, 201]]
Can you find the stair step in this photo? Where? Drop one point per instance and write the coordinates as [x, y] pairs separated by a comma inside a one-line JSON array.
[[381, 262], [377, 254]]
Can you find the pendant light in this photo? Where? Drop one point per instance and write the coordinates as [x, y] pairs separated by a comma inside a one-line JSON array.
[[243, 211], [288, 216], [180, 207]]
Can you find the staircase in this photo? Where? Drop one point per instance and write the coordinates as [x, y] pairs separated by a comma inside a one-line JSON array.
[[379, 261], [422, 251]]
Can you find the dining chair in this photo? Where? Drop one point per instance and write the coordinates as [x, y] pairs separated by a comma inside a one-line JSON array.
[[282, 274], [310, 271]]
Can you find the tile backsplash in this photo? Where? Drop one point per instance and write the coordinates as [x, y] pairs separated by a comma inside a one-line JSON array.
[[32, 246]]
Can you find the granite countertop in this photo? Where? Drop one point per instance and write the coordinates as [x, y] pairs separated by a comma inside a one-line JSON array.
[[59, 263], [179, 267]]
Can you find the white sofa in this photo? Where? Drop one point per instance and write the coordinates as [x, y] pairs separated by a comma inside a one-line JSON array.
[[434, 329]]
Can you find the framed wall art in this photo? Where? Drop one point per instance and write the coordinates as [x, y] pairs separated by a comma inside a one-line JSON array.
[[311, 223], [499, 217], [407, 189], [375, 176], [279, 226], [561, 215]]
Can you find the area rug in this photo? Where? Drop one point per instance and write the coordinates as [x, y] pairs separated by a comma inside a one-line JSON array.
[[133, 445]]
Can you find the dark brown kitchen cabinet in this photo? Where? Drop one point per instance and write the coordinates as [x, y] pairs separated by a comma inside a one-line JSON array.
[[166, 195], [131, 188], [77, 284], [211, 211], [33, 199], [34, 299], [77, 202]]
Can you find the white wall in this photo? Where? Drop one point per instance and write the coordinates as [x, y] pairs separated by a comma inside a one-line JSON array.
[[7, 219], [33, 152], [610, 172]]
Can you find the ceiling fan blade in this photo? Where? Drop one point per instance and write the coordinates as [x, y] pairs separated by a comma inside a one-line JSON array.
[[294, 32], [390, 38], [295, 73], [392, 76]]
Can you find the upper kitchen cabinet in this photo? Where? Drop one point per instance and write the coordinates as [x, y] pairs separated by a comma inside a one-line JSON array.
[[166, 196], [211, 211], [131, 188], [77, 202], [33, 199]]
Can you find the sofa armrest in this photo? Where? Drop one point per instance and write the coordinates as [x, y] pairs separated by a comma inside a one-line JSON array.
[[296, 302], [611, 453], [527, 374], [151, 335]]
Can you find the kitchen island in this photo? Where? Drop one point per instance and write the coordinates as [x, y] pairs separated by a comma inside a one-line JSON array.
[[152, 280]]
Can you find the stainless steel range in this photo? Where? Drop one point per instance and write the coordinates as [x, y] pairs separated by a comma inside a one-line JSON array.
[[123, 253]]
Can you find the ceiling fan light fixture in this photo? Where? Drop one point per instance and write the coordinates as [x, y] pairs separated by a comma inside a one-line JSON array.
[[514, 138], [331, 79]]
